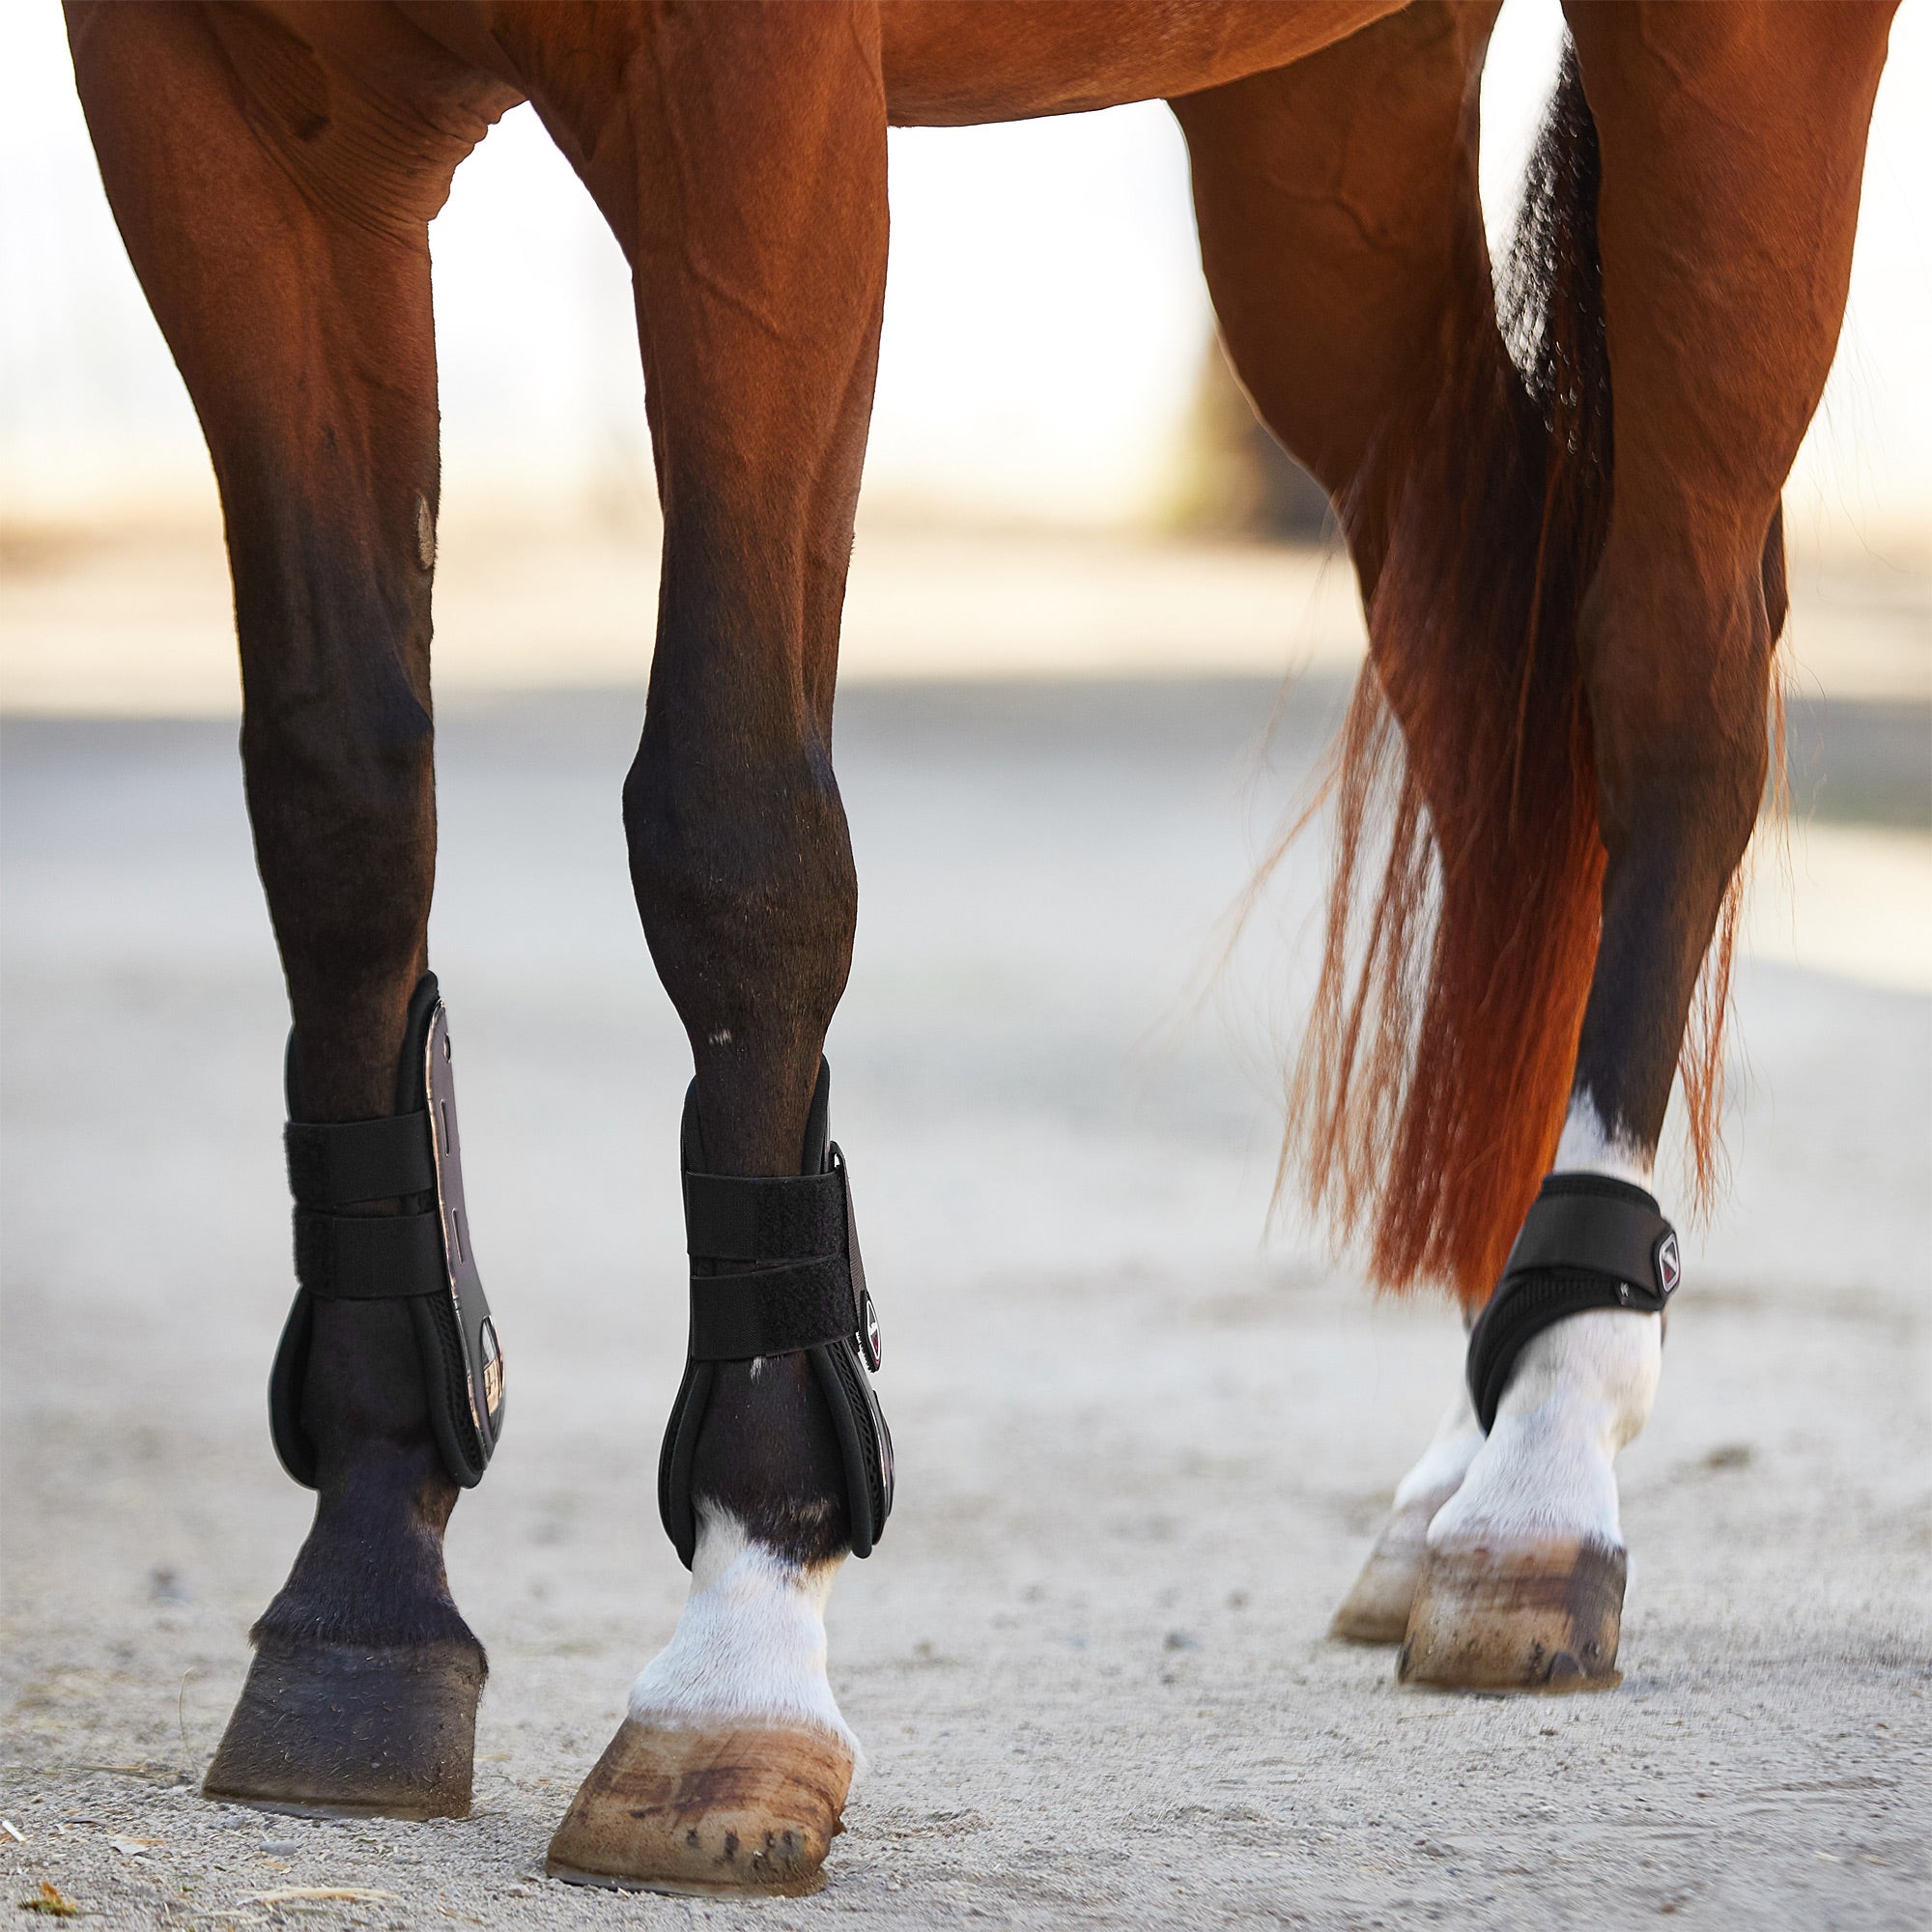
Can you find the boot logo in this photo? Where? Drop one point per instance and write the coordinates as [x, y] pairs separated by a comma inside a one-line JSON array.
[[868, 1331], [1668, 1269], [493, 1370]]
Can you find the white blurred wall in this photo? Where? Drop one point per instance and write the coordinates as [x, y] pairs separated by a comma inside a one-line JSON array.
[[1043, 330]]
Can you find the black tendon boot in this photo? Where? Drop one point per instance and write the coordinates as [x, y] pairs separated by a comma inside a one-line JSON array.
[[386, 1395]]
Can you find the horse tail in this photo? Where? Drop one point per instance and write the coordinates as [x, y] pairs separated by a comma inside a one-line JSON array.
[[1429, 1090]]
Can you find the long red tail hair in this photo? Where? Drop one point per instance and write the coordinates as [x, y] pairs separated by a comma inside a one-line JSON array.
[[1429, 1090]]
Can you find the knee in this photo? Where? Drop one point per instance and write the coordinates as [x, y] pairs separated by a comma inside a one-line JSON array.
[[742, 866], [341, 796], [357, 749]]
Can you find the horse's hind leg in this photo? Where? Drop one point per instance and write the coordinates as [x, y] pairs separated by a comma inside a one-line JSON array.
[[1344, 269], [739, 152], [1725, 241], [289, 270], [1343, 247]]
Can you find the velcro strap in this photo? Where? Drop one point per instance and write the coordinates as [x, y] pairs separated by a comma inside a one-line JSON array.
[[333, 1163], [770, 1311], [369, 1257], [1590, 1223], [731, 1217]]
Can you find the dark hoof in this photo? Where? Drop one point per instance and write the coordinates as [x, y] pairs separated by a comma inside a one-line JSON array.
[[339, 1729], [1543, 1618]]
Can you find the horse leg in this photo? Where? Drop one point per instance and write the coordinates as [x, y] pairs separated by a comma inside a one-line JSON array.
[[1376, 1607], [276, 212], [1337, 266], [739, 154], [1725, 239]]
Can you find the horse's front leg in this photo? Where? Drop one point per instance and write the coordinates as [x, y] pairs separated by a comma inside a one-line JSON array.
[[287, 266], [1725, 245], [747, 185]]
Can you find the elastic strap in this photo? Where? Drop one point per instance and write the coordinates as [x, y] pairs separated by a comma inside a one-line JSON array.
[[334, 1163], [1609, 1227], [731, 1217], [770, 1311], [369, 1257]]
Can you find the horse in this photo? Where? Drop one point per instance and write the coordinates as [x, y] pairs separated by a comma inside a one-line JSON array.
[[1559, 485]]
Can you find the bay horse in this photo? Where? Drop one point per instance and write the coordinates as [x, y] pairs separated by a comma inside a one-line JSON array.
[[1560, 492]]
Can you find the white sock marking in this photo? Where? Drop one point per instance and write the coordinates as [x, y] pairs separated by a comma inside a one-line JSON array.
[[1440, 1467], [1589, 1147], [1582, 1390], [750, 1647]]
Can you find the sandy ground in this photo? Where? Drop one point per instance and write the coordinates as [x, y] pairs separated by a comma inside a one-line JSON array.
[[1142, 1450]]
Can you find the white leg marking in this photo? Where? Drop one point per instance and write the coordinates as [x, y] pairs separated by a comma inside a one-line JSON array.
[[1582, 1390], [1378, 1605], [1589, 1147], [1439, 1469], [749, 1648]]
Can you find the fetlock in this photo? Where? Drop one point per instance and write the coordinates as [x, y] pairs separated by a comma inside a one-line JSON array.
[[730, 1771], [1523, 1587], [750, 1647], [1582, 1390], [371, 1569]]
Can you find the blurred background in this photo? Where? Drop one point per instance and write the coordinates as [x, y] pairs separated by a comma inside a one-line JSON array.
[[1095, 640], [1052, 419], [1063, 481]]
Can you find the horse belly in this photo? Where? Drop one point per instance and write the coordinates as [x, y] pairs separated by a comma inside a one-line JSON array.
[[950, 63]]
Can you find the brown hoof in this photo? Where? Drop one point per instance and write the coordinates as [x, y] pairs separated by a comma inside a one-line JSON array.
[[1543, 1618], [1376, 1609], [337, 1730], [712, 1812]]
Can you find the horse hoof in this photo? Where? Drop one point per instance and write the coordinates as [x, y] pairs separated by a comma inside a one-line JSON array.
[[1543, 1618], [353, 1730], [1376, 1607], [719, 1812]]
